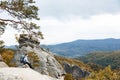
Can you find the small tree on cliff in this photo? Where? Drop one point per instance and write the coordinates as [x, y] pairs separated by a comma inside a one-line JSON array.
[[21, 13]]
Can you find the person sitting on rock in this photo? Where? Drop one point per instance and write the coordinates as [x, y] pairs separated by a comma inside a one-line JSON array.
[[26, 61]]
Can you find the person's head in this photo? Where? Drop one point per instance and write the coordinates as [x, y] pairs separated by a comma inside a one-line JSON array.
[[26, 54]]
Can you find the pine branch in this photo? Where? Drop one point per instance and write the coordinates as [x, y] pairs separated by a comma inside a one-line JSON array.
[[9, 20]]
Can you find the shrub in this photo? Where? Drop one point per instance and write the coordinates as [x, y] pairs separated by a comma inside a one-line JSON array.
[[68, 77], [7, 55], [34, 59]]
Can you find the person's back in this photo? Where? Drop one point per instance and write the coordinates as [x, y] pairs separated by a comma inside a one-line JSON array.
[[22, 58]]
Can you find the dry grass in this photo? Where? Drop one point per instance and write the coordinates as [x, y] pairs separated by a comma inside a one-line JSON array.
[[71, 61]]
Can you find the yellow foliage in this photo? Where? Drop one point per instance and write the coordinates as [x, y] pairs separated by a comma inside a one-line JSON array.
[[7, 55], [105, 74], [34, 59], [68, 77]]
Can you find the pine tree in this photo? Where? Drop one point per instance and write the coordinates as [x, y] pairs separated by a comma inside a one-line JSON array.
[[21, 14]]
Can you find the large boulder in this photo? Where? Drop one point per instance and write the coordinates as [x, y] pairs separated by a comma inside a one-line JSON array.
[[79, 73], [67, 68], [48, 65], [76, 71], [22, 74]]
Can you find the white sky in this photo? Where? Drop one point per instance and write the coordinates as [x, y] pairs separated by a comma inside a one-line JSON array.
[[68, 20]]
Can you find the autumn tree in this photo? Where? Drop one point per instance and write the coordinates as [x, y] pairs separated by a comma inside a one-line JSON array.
[[105, 74], [21, 13]]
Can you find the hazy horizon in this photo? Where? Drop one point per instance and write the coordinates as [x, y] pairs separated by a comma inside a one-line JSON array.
[[71, 41], [68, 20]]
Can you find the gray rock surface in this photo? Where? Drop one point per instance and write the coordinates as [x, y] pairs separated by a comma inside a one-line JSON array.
[[48, 64], [22, 74], [76, 71], [2, 64], [67, 67]]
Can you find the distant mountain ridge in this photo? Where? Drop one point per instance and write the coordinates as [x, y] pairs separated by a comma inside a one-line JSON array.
[[82, 47]]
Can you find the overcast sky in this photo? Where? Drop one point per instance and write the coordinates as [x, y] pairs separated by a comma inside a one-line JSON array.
[[68, 20]]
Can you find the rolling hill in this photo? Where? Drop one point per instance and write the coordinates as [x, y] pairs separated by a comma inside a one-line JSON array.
[[83, 47], [103, 58]]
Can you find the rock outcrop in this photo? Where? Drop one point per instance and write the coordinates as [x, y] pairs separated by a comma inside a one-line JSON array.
[[76, 71], [67, 68], [48, 65], [22, 74], [28, 40]]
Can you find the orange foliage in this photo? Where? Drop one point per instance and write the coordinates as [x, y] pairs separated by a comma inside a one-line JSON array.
[[7, 55]]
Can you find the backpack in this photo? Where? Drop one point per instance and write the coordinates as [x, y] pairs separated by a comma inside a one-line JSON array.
[[22, 58]]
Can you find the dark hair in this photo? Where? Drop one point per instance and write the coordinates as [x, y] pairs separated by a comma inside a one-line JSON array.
[[25, 54]]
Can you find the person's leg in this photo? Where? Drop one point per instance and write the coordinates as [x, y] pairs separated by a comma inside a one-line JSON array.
[[29, 65]]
